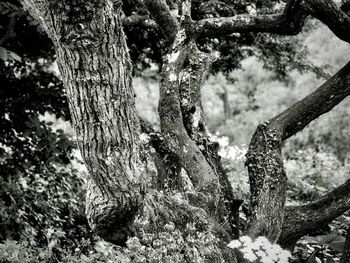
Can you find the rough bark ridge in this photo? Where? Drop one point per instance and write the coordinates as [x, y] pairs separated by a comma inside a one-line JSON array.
[[301, 220], [267, 176], [193, 77], [94, 62], [267, 180]]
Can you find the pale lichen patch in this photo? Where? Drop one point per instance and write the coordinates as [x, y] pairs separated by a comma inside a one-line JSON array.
[[144, 138], [184, 102], [185, 150], [172, 77], [196, 118], [173, 57]]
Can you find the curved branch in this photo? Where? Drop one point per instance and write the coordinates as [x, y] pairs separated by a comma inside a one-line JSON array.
[[322, 100], [301, 220], [290, 22], [264, 158], [193, 77], [171, 119], [331, 15]]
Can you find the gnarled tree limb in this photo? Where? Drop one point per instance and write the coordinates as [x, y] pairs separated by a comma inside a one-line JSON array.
[[290, 22], [301, 220], [265, 166], [331, 15]]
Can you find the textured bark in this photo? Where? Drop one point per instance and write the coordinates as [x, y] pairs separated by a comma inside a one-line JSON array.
[[96, 70], [290, 22], [302, 220], [94, 62], [264, 160], [167, 163], [277, 24], [331, 15], [201, 174], [268, 182], [161, 14], [193, 77], [183, 125]]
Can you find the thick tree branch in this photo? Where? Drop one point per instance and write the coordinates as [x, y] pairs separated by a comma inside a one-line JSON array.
[[331, 15], [167, 163], [268, 182], [163, 17], [277, 24], [265, 166], [193, 77], [290, 22], [203, 177], [322, 100], [301, 220], [171, 119]]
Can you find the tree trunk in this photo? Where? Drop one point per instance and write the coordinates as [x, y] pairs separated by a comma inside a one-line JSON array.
[[94, 62], [121, 192]]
